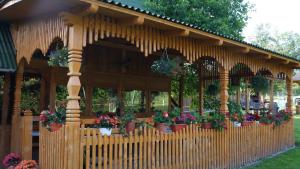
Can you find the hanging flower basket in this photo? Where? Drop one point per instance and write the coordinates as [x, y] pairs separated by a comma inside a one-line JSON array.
[[166, 66]]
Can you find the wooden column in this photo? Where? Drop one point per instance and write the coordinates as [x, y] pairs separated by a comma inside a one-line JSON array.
[[52, 91], [89, 99], [247, 97], [43, 95], [72, 127], [224, 79], [16, 127], [26, 123], [181, 89], [238, 96], [271, 105], [5, 129], [289, 84], [201, 96]]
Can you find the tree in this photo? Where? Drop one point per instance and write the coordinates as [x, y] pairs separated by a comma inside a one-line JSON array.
[[287, 43], [228, 17]]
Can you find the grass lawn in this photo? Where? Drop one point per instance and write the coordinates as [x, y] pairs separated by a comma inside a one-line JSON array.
[[288, 160]]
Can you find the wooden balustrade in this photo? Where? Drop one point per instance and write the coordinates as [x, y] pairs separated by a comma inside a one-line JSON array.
[[192, 147]]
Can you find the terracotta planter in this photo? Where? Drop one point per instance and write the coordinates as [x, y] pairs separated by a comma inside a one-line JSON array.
[[264, 124], [206, 125], [162, 127], [178, 127], [55, 126], [130, 127], [247, 123]]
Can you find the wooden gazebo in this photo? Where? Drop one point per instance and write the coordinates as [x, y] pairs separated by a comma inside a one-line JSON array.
[[112, 46]]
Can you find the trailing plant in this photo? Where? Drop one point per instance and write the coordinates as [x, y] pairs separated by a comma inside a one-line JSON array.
[[59, 57], [260, 84], [166, 66]]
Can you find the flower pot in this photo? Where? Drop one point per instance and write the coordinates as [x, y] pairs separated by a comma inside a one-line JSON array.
[[162, 127], [105, 131], [55, 127], [264, 124], [178, 127], [206, 125], [130, 127], [237, 124], [247, 123]]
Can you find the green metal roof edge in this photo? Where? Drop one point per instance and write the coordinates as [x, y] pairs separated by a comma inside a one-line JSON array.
[[194, 26], [7, 50]]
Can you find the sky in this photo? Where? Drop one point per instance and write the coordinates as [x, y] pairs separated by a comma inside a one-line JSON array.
[[282, 15]]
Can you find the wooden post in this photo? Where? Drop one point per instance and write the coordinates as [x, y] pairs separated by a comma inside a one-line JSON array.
[[181, 89], [89, 100], [271, 105], [201, 96], [43, 95], [238, 96], [247, 97], [52, 91], [224, 90], [26, 122], [289, 83], [5, 129], [72, 127], [16, 127]]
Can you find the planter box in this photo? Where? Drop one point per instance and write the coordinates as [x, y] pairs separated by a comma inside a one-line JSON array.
[[130, 127], [55, 126], [206, 125], [247, 123], [178, 127], [162, 127]]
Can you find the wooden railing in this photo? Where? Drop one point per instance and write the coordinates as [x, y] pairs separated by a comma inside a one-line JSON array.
[[192, 147]]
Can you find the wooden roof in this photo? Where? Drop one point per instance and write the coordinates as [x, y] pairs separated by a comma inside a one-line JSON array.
[[140, 16]]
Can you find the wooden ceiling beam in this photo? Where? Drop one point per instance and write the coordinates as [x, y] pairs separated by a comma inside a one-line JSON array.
[[178, 33], [137, 20], [213, 42]]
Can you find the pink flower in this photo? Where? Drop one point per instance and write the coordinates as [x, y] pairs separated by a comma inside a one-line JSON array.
[[165, 114], [11, 159]]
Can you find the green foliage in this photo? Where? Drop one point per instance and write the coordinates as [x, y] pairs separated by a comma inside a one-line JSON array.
[[59, 57], [213, 89], [228, 17], [283, 42], [30, 96], [211, 103], [218, 121], [235, 111], [260, 84], [159, 117]]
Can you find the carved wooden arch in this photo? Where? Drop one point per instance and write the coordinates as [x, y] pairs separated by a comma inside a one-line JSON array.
[[29, 36], [266, 70], [148, 39]]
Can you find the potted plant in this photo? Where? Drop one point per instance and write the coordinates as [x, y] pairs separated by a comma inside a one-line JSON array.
[[105, 123], [53, 121], [266, 119], [11, 160], [206, 122], [162, 121], [127, 121], [218, 121], [248, 119], [183, 120]]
